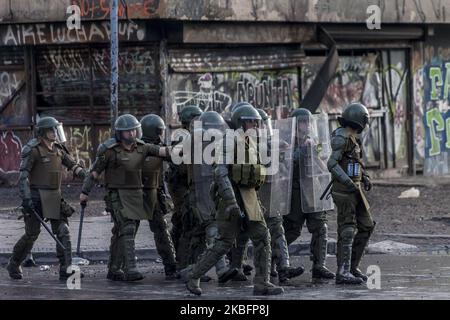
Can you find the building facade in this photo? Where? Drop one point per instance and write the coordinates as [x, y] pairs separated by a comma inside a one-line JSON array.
[[216, 53]]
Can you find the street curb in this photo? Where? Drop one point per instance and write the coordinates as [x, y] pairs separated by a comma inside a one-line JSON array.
[[298, 249]]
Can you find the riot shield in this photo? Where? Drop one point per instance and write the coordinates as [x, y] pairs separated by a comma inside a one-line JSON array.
[[275, 194], [313, 141], [209, 136]]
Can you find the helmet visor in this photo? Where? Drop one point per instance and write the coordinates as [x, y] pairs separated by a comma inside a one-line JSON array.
[[59, 133], [267, 124]]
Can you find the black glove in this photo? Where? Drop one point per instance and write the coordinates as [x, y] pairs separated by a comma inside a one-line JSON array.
[[234, 210], [367, 183]]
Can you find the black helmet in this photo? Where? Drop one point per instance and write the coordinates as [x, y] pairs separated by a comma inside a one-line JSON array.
[[46, 123], [355, 116], [153, 127], [242, 113], [127, 122], [188, 113]]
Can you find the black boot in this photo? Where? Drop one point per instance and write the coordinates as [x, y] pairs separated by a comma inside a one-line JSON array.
[[29, 262], [247, 269], [127, 242], [14, 270], [193, 285], [266, 288], [228, 275], [357, 273], [322, 272], [170, 272], [289, 272]]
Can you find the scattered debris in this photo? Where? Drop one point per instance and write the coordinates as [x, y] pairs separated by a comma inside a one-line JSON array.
[[389, 246], [44, 267], [80, 261], [410, 193]]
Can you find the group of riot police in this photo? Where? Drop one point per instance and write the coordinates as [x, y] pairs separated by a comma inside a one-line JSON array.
[[217, 208]]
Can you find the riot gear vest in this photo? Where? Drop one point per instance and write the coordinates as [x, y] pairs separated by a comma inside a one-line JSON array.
[[125, 169], [249, 175], [47, 170], [351, 159], [150, 172]]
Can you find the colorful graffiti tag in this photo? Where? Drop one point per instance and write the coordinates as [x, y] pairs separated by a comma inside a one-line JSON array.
[[437, 117]]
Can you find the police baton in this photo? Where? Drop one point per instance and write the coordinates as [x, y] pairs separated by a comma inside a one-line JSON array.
[[80, 228], [24, 211]]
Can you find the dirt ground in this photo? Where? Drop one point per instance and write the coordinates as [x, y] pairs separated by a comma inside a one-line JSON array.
[[427, 214]]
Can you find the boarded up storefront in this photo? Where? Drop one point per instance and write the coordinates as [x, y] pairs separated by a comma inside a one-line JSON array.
[[379, 79], [48, 70], [216, 79]]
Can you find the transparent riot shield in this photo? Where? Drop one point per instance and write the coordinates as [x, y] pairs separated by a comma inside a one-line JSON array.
[[210, 138], [313, 141], [275, 194]]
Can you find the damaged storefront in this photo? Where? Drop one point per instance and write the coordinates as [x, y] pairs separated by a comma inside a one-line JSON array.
[[47, 70], [277, 63]]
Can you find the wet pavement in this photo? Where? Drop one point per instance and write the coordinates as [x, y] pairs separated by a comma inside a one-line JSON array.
[[402, 277]]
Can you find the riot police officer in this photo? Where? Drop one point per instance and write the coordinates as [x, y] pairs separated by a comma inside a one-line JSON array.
[[355, 223], [177, 184], [200, 203], [238, 207], [316, 222], [41, 170], [121, 159], [153, 128], [273, 213]]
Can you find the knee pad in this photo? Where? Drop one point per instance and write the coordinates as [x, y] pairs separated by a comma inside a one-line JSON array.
[[322, 232], [347, 234], [128, 229], [63, 230]]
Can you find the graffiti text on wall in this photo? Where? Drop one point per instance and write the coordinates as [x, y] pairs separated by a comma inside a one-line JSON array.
[[275, 91], [79, 143], [207, 98], [10, 84], [439, 80], [438, 132], [265, 94], [100, 9], [57, 33], [437, 109]]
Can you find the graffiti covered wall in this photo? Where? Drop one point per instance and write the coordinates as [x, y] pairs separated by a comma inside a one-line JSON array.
[[275, 91], [380, 86], [436, 108]]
